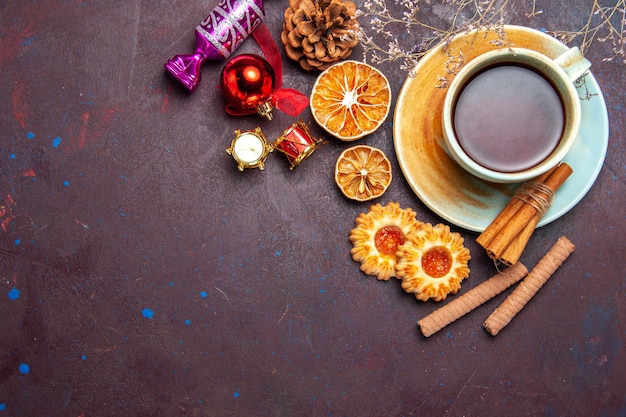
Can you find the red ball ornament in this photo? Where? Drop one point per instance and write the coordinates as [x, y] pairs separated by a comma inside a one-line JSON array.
[[247, 83]]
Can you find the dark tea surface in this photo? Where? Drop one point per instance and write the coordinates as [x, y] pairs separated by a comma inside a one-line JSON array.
[[508, 118]]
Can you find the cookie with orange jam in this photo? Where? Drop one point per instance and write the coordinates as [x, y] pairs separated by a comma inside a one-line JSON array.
[[432, 262], [377, 236]]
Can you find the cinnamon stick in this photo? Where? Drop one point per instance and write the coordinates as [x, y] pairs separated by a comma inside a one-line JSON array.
[[504, 217], [475, 297], [514, 250], [527, 212], [538, 276]]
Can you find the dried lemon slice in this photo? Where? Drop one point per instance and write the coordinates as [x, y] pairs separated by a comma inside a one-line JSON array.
[[377, 236], [362, 172], [350, 99], [432, 262]]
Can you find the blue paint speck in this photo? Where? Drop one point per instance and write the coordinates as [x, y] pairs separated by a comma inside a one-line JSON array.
[[14, 294], [236, 393], [3, 406], [12, 156], [278, 253], [56, 142], [24, 368], [30, 135], [203, 294], [17, 242], [147, 313], [83, 358], [28, 41], [66, 183], [188, 322]]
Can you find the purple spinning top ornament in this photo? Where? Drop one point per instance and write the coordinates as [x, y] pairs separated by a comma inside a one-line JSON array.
[[217, 37]]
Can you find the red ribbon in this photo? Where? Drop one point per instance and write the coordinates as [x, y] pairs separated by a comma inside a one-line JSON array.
[[287, 100]]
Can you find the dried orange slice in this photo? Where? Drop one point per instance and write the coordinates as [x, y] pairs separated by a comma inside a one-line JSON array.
[[363, 173], [350, 100]]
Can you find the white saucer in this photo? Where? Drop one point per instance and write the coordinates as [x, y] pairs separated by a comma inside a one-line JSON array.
[[440, 183]]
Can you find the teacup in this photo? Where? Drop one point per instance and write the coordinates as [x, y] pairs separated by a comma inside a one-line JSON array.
[[511, 114]]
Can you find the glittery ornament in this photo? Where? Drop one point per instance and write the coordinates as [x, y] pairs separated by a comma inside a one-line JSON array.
[[217, 37]]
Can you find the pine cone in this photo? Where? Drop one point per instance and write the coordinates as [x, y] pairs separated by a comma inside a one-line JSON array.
[[317, 33]]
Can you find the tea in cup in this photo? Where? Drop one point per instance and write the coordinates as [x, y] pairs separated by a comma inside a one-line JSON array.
[[512, 114]]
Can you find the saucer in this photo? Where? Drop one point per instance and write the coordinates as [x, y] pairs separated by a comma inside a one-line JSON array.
[[441, 184]]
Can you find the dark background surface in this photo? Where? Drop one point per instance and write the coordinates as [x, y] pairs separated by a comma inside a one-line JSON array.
[[141, 274]]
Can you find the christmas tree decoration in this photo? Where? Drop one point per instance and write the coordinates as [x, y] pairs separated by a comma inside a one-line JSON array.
[[217, 37], [247, 83], [251, 85], [249, 149], [317, 33], [297, 143]]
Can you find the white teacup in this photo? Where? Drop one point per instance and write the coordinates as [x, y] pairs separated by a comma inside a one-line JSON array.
[[512, 114]]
